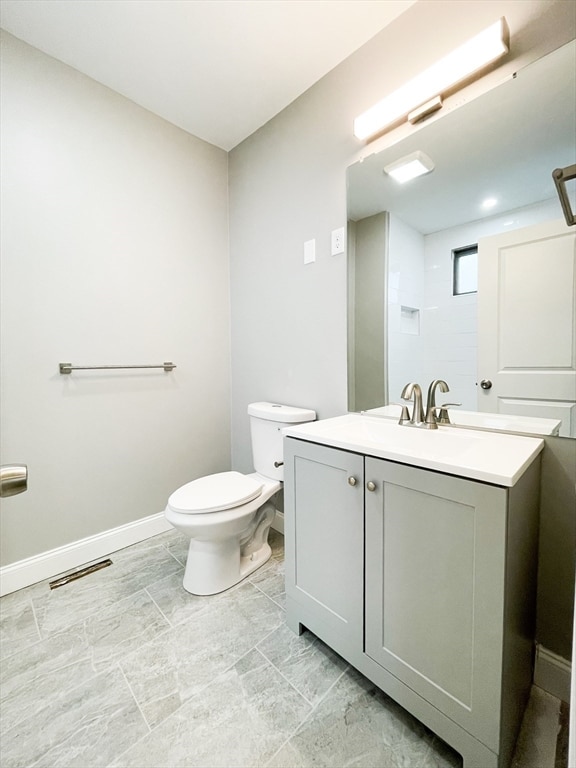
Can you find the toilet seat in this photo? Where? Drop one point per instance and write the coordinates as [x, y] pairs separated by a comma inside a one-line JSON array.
[[215, 493]]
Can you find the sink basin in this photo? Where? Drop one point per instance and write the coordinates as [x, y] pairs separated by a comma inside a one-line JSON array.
[[491, 457], [530, 425]]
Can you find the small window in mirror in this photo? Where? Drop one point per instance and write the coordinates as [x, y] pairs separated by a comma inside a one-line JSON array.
[[465, 270]]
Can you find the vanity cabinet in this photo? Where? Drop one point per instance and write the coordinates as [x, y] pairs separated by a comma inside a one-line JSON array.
[[423, 581], [325, 531]]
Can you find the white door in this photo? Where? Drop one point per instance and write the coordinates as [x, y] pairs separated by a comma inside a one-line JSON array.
[[526, 323]]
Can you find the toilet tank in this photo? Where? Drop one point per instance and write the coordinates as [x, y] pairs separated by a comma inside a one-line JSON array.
[[267, 420]]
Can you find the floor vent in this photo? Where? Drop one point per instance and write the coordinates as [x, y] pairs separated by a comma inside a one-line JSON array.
[[79, 573]]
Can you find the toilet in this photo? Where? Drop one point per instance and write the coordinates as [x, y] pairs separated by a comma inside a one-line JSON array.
[[227, 515]]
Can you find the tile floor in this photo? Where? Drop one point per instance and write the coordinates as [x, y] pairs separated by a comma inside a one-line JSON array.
[[123, 668]]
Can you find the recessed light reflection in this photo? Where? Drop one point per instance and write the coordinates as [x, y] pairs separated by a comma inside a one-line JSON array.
[[409, 167], [490, 202]]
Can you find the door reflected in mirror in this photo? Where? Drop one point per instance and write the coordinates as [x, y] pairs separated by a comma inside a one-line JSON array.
[[415, 313]]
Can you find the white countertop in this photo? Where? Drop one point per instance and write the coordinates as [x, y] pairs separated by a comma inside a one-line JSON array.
[[504, 422], [491, 457]]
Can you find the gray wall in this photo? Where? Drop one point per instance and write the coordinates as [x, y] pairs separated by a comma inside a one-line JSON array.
[[557, 557], [287, 185], [114, 251], [366, 371]]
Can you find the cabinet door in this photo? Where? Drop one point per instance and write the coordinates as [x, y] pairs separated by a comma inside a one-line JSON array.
[[435, 570], [324, 541]]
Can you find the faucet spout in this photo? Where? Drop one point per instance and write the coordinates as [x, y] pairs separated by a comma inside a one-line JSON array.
[[413, 391], [430, 418]]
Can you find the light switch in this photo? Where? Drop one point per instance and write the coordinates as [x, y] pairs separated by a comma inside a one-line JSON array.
[[309, 251]]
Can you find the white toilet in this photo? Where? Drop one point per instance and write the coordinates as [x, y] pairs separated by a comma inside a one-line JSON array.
[[228, 515]]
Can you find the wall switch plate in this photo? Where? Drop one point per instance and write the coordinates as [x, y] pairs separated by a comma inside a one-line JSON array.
[[309, 251], [337, 241]]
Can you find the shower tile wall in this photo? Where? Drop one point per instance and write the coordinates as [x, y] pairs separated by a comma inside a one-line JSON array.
[[405, 289], [449, 338]]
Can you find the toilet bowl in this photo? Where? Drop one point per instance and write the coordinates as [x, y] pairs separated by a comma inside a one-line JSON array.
[[228, 515], [227, 543]]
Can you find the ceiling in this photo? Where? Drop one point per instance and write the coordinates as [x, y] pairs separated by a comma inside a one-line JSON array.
[[219, 69]]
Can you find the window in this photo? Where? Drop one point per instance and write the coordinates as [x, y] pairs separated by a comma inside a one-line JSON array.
[[465, 270]]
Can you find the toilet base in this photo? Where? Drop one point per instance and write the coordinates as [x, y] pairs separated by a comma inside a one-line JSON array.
[[215, 566], [252, 562]]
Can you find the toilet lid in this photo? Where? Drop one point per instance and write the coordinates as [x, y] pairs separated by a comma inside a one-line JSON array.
[[215, 493]]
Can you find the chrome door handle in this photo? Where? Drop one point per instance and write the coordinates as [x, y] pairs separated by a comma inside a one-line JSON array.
[[486, 384], [13, 479]]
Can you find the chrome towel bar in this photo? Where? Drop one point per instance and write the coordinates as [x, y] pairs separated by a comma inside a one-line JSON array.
[[68, 367]]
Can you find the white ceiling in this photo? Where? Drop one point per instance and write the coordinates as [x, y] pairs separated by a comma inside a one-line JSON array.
[[219, 69]]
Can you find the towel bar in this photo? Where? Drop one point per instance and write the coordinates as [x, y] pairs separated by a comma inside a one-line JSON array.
[[561, 176], [68, 367]]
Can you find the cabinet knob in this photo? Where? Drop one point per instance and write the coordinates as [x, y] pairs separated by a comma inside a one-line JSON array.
[[370, 485], [352, 480]]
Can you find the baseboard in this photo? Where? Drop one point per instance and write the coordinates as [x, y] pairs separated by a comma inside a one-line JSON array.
[[54, 562], [278, 522], [552, 673]]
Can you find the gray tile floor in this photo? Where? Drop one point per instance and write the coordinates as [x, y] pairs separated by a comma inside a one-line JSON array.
[[125, 669]]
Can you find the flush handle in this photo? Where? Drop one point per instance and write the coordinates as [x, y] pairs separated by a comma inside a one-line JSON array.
[[278, 464], [486, 384]]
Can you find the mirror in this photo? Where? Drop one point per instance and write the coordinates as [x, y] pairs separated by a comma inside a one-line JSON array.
[[405, 322]]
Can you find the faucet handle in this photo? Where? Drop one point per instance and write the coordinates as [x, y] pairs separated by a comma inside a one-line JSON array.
[[405, 414], [443, 416]]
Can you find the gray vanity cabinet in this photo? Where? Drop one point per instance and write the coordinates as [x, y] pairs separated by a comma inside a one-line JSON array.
[[324, 541], [435, 569], [424, 581]]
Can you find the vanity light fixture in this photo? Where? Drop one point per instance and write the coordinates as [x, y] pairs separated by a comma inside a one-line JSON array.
[[409, 167], [422, 95]]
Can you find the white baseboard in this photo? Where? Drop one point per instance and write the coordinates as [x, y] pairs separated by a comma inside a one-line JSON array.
[[56, 561], [552, 673], [278, 522]]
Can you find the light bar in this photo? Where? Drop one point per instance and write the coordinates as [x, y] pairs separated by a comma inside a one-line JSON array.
[[458, 66]]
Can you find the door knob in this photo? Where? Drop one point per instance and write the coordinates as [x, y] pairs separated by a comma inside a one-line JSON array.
[[13, 479], [486, 384], [370, 485], [352, 480]]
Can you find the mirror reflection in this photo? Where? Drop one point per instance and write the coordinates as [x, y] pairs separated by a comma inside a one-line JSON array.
[[467, 273]]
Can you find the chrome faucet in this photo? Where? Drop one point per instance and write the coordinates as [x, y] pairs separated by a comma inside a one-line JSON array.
[[430, 421], [413, 391], [418, 419]]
